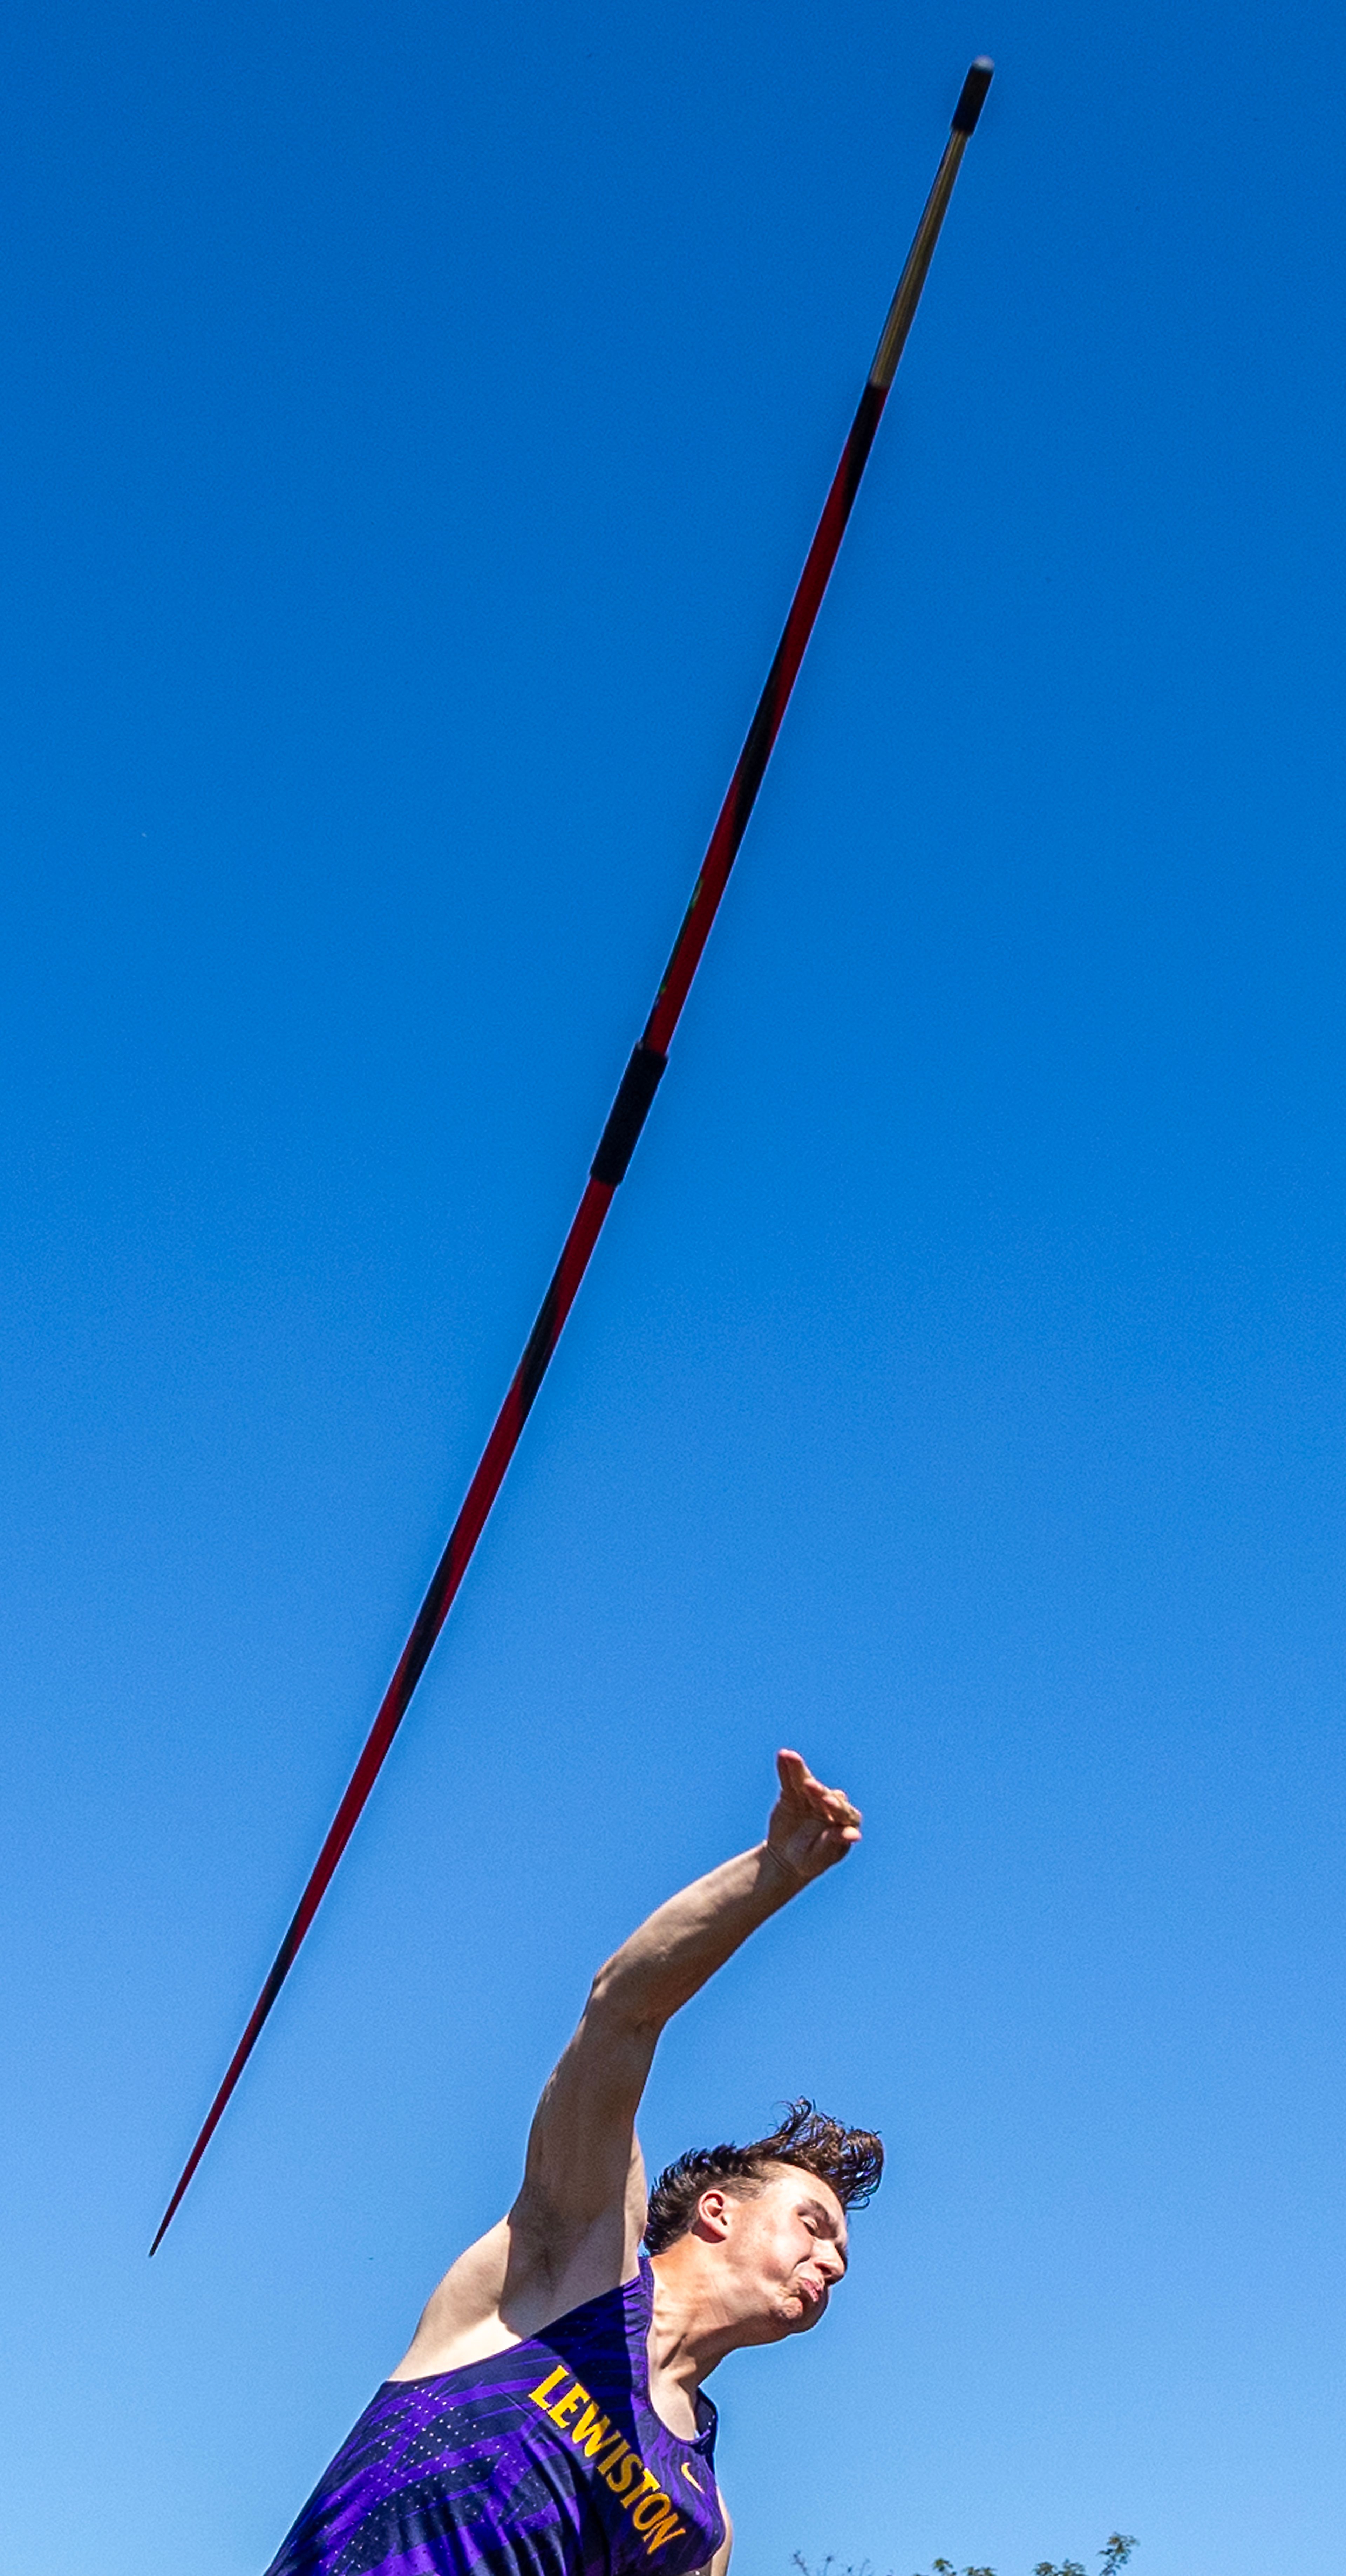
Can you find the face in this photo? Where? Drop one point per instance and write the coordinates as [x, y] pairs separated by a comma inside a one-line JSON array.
[[782, 2248]]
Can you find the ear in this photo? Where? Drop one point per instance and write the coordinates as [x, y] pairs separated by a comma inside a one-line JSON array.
[[713, 2217]]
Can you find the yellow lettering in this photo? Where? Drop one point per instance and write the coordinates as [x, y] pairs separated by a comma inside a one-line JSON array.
[[565, 2406], [540, 2394], [622, 2476], [614, 2454], [591, 2432], [671, 2529], [648, 2484], [651, 2509]]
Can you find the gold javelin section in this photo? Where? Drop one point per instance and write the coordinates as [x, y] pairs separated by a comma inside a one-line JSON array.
[[922, 250]]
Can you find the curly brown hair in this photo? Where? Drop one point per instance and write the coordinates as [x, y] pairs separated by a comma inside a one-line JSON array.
[[851, 2160]]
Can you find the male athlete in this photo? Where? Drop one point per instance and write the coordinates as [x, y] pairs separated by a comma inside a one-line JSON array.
[[548, 2419]]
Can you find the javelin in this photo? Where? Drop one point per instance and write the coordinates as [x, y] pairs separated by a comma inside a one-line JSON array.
[[635, 1093]]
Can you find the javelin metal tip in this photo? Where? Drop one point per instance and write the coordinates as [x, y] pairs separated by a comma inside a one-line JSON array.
[[972, 96]]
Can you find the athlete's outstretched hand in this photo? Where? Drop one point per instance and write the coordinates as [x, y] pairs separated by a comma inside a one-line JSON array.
[[811, 1827]]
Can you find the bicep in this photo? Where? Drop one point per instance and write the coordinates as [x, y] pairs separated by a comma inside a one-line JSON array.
[[577, 2221], [583, 2168]]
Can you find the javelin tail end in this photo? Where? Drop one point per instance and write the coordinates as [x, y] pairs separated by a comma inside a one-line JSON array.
[[972, 95]]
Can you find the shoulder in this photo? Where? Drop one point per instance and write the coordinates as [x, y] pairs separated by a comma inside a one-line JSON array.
[[515, 2283]]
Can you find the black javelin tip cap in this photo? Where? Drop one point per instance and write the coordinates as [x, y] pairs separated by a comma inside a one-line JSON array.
[[972, 95]]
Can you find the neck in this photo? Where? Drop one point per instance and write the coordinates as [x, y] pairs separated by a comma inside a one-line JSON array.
[[693, 2328]]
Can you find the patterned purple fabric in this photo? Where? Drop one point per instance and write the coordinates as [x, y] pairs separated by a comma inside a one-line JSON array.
[[546, 2460]]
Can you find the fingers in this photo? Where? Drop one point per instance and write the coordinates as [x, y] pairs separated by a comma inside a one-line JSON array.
[[832, 1805]]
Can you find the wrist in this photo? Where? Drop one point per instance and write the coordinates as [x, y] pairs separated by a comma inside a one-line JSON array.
[[775, 1866]]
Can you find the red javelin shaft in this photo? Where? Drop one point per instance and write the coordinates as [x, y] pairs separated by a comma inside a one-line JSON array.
[[631, 1106]]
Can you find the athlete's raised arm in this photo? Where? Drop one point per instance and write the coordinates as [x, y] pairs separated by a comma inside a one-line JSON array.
[[576, 2225]]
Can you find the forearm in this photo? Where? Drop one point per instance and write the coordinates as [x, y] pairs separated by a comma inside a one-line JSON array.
[[684, 1941]]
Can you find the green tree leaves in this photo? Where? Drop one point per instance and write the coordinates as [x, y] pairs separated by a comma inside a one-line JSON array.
[[1114, 2554]]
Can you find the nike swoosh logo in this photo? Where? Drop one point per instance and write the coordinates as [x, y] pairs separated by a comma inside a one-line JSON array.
[[691, 2481]]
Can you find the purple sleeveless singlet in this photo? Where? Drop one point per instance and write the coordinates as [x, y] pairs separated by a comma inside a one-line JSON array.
[[546, 2460]]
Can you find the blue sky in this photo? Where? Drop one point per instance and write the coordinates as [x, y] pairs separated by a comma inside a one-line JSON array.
[[414, 424]]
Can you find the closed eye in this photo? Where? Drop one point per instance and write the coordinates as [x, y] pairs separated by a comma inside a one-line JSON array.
[[819, 2222]]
